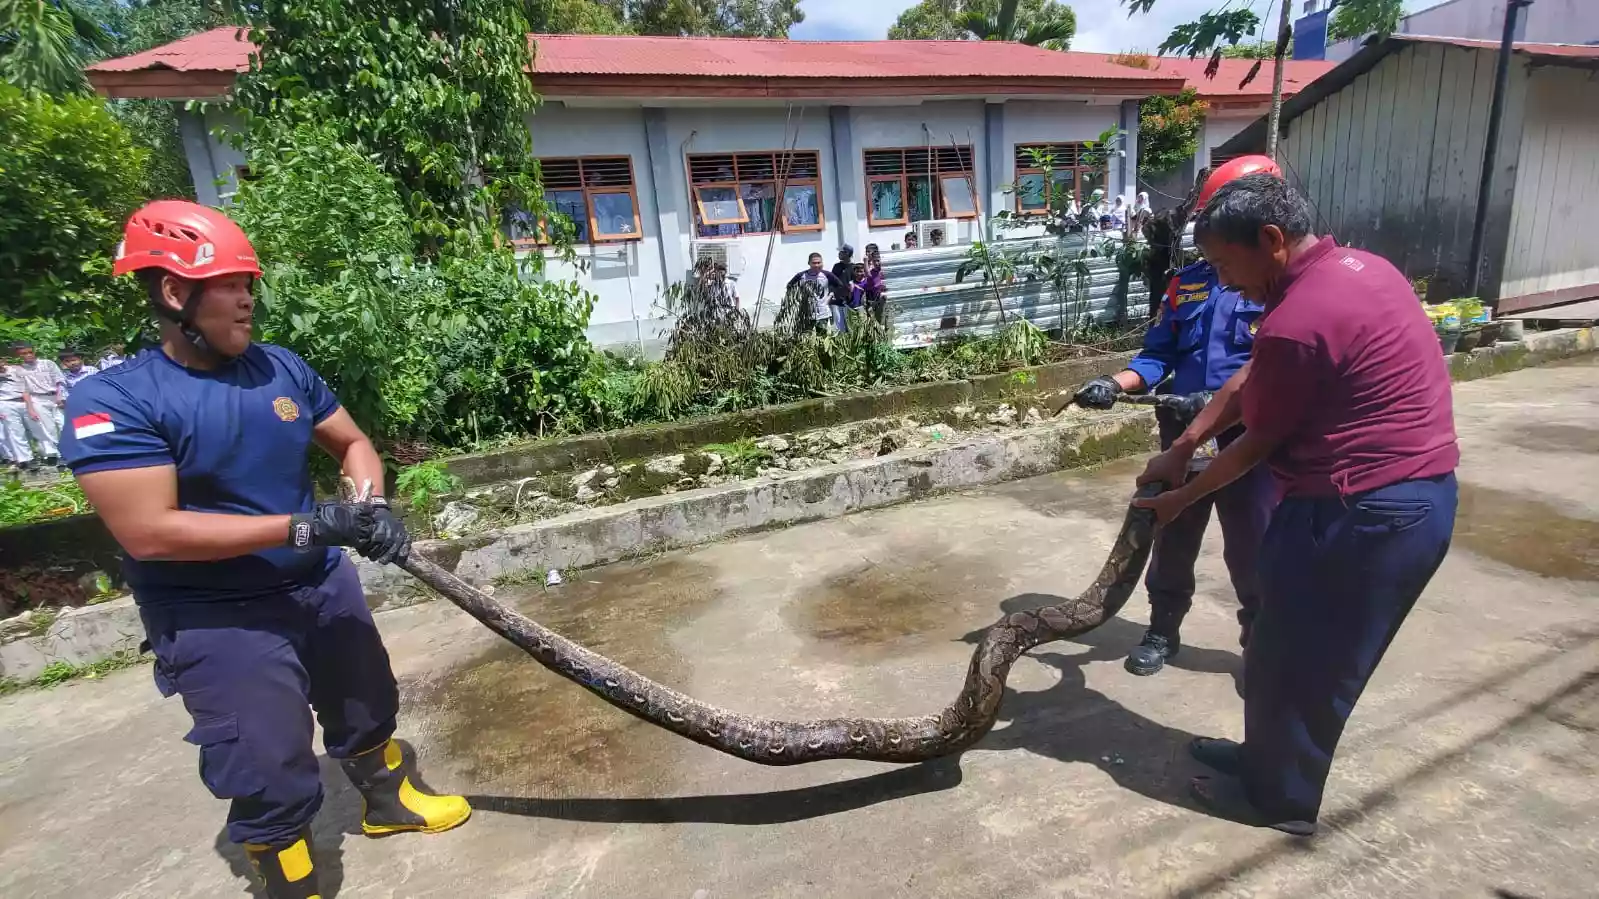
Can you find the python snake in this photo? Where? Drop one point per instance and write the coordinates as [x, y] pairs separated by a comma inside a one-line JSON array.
[[768, 741]]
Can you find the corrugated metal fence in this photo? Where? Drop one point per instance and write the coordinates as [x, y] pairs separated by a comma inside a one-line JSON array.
[[925, 304]]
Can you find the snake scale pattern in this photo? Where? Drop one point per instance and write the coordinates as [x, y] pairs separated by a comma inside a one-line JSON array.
[[768, 741]]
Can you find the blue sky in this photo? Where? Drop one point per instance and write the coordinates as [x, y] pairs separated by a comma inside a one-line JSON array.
[[1103, 26]]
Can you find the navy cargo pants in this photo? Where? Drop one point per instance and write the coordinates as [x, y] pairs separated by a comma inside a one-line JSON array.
[[1244, 509], [250, 674], [1339, 576]]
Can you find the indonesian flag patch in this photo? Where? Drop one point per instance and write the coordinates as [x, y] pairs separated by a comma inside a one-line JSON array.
[[92, 424]]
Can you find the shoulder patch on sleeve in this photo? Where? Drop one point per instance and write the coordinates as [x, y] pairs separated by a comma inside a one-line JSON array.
[[92, 424]]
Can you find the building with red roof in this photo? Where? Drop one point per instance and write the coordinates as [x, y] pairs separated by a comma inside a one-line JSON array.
[[757, 152]]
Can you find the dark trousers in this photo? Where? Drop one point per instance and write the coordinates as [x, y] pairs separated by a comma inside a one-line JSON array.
[[1339, 576], [1244, 508], [250, 674]]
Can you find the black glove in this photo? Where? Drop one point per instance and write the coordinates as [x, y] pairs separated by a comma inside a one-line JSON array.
[[1180, 410], [386, 539], [1099, 393], [330, 524]]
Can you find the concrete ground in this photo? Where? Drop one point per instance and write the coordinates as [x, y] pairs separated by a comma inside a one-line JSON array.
[[1469, 768]]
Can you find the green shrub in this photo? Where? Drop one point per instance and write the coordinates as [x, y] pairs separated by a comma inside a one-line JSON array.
[[69, 177], [424, 484], [22, 504], [454, 351]]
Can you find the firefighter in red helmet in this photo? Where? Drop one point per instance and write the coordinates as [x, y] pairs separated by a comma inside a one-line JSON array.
[[1201, 337], [195, 454]]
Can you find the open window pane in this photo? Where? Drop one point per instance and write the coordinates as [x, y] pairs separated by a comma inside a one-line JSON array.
[[1090, 182], [720, 205], [760, 204], [614, 215], [569, 204], [958, 199], [921, 201], [1062, 189], [1030, 192], [801, 206], [888, 201]]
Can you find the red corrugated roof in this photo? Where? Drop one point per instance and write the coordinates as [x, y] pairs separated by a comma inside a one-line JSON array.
[[1225, 85], [217, 50], [572, 54], [228, 50]]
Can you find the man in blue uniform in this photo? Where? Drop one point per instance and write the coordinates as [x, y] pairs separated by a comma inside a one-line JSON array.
[[195, 454], [1202, 336]]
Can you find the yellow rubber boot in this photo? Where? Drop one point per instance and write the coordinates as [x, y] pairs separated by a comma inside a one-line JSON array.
[[287, 872], [393, 804]]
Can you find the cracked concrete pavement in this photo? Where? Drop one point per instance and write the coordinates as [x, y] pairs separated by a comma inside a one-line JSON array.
[[1468, 770]]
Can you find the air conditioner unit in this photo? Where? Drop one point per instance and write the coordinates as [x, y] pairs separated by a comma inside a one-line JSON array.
[[939, 233], [719, 252]]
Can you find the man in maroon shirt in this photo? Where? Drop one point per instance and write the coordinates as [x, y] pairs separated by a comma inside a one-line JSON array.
[[1347, 400]]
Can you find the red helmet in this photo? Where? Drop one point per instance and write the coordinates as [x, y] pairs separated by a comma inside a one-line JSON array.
[[185, 239], [1231, 170]]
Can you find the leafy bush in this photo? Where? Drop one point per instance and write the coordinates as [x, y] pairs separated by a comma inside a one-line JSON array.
[[455, 350], [424, 484], [69, 177], [22, 504]]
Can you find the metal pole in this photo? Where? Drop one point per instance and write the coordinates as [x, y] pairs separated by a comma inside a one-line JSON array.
[[1490, 151]]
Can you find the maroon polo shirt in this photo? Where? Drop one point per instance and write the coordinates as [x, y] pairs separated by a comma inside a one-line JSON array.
[[1347, 374]]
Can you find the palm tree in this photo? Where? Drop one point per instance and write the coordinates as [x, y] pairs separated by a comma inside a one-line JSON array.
[[1044, 24], [43, 45]]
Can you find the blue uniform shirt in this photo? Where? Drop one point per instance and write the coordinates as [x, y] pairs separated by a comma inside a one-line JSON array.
[[240, 439], [1202, 336]]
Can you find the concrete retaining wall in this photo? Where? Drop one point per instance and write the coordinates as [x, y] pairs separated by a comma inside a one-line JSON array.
[[77, 637], [644, 441], [653, 524]]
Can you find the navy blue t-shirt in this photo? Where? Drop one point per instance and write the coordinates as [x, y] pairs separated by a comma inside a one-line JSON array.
[[240, 438]]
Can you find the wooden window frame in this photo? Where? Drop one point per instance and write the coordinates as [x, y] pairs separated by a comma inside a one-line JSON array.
[[738, 197], [782, 163], [933, 171], [1077, 175], [541, 236]]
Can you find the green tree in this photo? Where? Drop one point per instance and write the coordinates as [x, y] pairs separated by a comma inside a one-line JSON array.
[[572, 17], [437, 92], [44, 44], [1168, 132], [1353, 20], [135, 26], [1212, 32], [930, 20], [1247, 51], [69, 177], [1042, 23], [734, 18], [387, 138]]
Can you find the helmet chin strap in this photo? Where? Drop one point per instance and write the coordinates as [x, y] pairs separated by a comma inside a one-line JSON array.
[[184, 319]]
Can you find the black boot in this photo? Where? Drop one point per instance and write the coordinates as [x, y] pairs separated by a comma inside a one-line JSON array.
[[394, 803], [1150, 655], [286, 872]]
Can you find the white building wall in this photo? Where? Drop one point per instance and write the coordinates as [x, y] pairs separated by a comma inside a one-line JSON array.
[[1051, 121], [744, 129], [936, 124], [1219, 129], [626, 277]]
